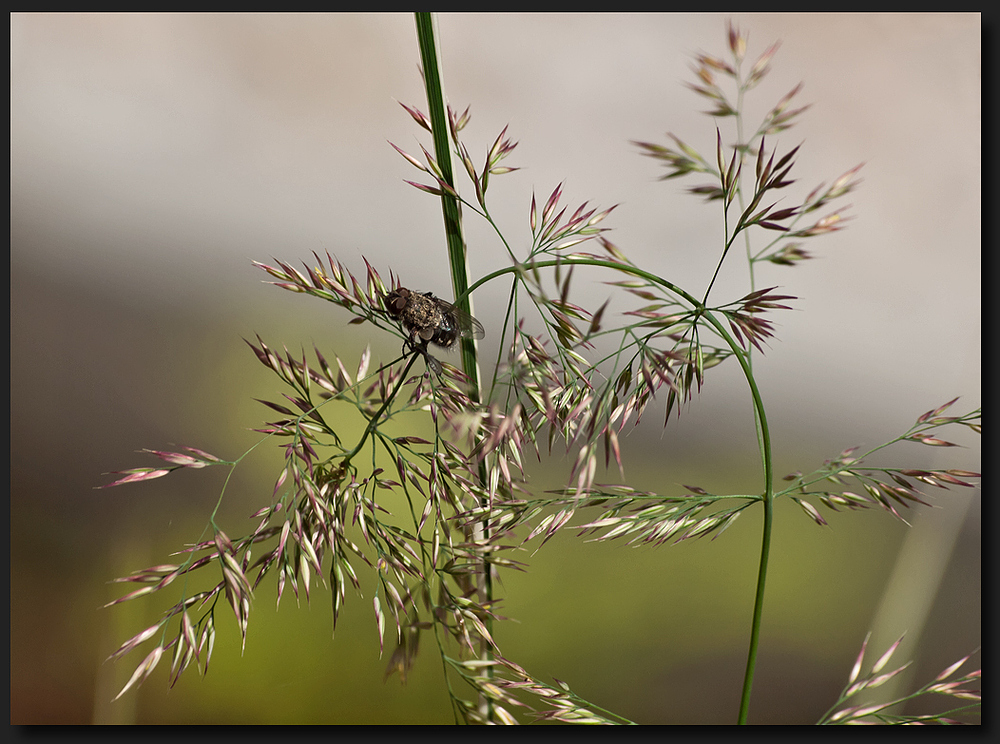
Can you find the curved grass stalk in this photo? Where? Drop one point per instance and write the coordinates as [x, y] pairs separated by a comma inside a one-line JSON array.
[[764, 432]]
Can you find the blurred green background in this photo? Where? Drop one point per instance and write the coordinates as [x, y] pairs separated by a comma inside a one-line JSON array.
[[154, 156]]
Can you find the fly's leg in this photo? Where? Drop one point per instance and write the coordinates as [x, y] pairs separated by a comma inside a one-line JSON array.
[[409, 346]]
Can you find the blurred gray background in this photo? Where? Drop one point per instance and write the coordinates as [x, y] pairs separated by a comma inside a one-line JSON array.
[[154, 156]]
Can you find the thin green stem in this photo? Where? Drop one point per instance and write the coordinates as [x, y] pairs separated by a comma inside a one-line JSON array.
[[763, 435], [569, 261], [373, 421], [718, 267], [765, 549]]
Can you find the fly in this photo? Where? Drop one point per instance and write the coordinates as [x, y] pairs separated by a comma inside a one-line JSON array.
[[429, 319]]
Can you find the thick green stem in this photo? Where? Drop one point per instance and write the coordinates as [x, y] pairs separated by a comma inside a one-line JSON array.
[[452, 212], [450, 207]]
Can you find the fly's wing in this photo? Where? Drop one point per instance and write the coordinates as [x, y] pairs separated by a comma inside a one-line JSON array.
[[467, 326], [434, 364]]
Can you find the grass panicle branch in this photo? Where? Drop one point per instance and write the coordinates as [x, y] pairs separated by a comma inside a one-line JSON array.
[[945, 685]]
